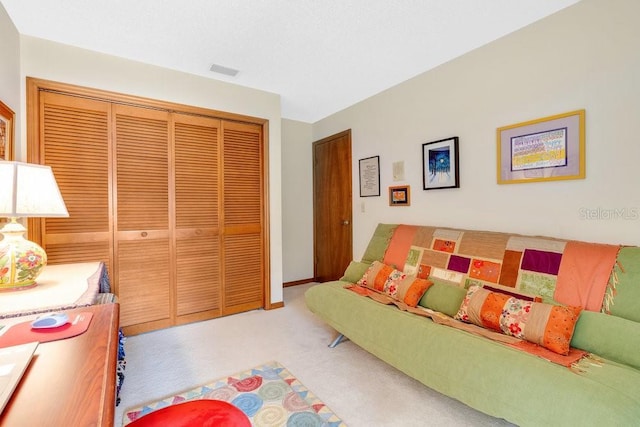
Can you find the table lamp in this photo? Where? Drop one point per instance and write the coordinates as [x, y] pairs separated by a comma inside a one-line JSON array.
[[26, 190]]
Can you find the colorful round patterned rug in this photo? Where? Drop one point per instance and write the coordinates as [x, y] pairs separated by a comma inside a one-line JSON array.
[[268, 394]]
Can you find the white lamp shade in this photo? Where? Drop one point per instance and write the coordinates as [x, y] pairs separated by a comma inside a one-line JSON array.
[[29, 190]]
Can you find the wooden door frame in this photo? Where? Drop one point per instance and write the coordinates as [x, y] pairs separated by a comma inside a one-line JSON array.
[[345, 133]]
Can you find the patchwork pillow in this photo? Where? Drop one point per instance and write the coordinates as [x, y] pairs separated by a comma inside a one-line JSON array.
[[395, 283], [550, 326]]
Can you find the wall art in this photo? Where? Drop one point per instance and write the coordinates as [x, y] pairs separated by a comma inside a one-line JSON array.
[[440, 164], [400, 195], [6, 132], [369, 176], [546, 149]]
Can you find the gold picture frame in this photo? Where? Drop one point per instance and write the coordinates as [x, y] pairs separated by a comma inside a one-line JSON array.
[[7, 118], [547, 149], [400, 195]]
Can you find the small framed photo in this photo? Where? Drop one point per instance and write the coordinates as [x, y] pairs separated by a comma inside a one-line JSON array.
[[369, 176], [440, 164], [546, 149], [400, 195]]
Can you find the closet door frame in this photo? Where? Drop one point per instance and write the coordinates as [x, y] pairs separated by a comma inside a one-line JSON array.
[[35, 149]]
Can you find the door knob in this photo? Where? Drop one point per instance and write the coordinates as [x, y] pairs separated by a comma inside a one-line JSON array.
[[345, 222]]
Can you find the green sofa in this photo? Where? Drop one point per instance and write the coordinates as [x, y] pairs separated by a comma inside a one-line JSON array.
[[602, 389]]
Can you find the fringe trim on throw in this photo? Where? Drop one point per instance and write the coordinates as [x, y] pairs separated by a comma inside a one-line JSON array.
[[611, 290], [587, 362]]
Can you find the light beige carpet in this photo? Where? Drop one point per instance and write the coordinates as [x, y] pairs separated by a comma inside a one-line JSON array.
[[361, 389]]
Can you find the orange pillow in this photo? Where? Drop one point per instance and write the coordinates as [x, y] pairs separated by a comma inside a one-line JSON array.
[[550, 326], [396, 284]]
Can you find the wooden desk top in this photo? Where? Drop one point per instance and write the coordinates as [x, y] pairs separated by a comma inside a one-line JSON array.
[[70, 382]]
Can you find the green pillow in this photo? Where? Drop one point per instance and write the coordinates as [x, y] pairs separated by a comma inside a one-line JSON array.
[[355, 271], [443, 297], [611, 337]]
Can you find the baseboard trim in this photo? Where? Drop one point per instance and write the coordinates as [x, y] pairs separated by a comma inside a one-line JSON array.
[[297, 282], [276, 305]]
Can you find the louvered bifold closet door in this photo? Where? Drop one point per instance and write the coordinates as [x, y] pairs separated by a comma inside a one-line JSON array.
[[142, 219], [242, 210], [74, 135], [197, 230]]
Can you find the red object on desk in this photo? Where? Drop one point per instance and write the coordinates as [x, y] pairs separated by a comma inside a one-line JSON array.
[[195, 413], [22, 333]]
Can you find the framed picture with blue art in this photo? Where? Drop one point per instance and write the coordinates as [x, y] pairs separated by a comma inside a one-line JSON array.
[[440, 164]]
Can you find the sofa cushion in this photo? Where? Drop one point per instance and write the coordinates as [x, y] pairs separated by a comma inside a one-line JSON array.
[[550, 326], [354, 272], [395, 283], [487, 375], [379, 242], [611, 337], [443, 297]]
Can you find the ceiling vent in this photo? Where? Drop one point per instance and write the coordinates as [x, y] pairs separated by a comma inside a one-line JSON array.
[[224, 70]]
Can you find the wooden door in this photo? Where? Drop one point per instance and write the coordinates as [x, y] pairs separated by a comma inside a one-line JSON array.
[[243, 195], [197, 235], [142, 218], [332, 206], [74, 135]]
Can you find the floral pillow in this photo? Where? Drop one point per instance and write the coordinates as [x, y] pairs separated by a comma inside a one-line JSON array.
[[395, 283], [550, 326], [513, 293]]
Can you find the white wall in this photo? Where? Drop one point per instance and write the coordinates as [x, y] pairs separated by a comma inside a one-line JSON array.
[[53, 61], [297, 201], [586, 56], [10, 67]]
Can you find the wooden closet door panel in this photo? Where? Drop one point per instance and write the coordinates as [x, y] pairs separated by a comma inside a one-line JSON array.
[[242, 175], [143, 282], [142, 168], [142, 215], [196, 159], [243, 282], [198, 275], [74, 141], [243, 239]]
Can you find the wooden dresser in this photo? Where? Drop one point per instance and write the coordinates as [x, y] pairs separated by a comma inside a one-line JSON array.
[[70, 382]]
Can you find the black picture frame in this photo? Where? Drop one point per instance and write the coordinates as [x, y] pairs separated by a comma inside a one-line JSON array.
[[369, 170], [400, 195], [440, 164]]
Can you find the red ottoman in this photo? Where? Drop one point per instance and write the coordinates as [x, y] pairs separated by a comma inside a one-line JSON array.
[[195, 413]]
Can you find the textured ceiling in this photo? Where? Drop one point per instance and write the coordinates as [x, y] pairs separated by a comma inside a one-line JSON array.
[[320, 56]]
